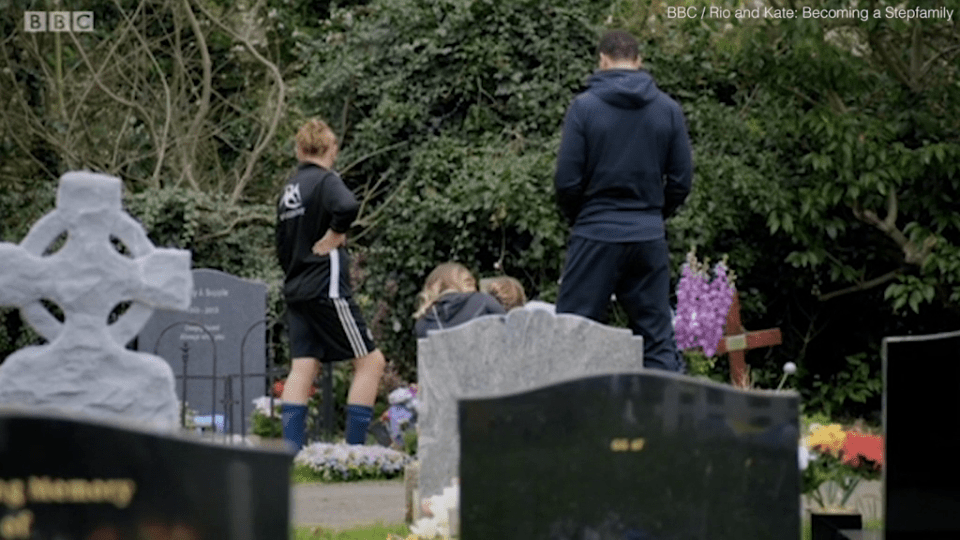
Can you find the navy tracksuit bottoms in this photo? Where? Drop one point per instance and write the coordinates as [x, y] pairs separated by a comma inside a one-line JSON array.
[[639, 274]]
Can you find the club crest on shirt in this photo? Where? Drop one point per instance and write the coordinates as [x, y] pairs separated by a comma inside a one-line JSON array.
[[292, 201], [291, 196]]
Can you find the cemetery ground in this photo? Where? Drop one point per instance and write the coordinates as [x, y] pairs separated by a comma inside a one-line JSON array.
[[374, 508]]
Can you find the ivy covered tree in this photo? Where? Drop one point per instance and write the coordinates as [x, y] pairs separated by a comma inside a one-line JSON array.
[[450, 113]]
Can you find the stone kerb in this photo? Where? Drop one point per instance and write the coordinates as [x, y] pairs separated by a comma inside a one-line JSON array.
[[85, 368], [498, 355]]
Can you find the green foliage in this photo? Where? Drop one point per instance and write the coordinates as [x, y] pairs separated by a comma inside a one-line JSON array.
[[856, 382], [834, 203], [449, 112], [268, 427], [235, 238], [488, 207], [700, 365], [410, 442]]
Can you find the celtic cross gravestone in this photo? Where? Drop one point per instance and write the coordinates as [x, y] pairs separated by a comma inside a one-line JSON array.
[[105, 261]]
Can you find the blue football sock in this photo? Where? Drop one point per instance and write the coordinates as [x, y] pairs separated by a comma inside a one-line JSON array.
[[358, 419], [294, 419]]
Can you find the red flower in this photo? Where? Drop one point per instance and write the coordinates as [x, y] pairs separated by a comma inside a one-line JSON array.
[[278, 388], [862, 446]]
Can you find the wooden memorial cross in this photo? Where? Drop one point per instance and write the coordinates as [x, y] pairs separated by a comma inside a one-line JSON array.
[[737, 341]]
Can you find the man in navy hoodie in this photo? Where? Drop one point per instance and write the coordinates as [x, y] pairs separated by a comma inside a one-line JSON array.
[[624, 166]]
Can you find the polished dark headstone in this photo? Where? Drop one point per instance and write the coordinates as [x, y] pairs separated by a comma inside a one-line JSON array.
[[921, 399], [229, 312], [631, 456], [68, 479]]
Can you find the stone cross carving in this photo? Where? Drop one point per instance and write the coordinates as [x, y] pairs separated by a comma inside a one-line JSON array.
[[84, 367]]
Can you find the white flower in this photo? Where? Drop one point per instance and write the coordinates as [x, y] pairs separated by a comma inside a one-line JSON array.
[[789, 368], [450, 499], [425, 527], [400, 395], [262, 405], [804, 457], [439, 508]]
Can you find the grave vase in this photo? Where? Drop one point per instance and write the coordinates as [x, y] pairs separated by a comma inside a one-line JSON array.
[[826, 523]]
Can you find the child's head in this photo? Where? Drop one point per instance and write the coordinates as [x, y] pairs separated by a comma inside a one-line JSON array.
[[447, 277], [507, 290], [315, 139]]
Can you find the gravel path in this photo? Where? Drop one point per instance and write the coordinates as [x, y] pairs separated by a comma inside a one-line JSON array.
[[346, 505]]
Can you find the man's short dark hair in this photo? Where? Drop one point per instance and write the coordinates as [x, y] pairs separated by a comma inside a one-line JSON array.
[[619, 45]]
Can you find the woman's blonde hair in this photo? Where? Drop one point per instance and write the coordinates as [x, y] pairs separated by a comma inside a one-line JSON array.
[[315, 137], [445, 278], [507, 290]]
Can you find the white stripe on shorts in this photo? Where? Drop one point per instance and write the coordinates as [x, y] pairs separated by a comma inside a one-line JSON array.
[[350, 327], [334, 290]]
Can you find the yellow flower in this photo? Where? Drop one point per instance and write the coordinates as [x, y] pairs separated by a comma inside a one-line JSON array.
[[828, 438]]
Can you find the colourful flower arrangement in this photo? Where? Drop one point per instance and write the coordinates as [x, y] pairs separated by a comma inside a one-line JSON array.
[[344, 462], [702, 304], [838, 460]]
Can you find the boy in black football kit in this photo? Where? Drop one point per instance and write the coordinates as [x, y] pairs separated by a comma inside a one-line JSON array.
[[314, 213]]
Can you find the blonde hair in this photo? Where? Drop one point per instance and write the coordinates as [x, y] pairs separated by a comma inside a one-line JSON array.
[[445, 278], [315, 137], [507, 290]]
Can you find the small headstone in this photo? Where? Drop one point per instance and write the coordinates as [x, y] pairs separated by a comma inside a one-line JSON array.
[[216, 347], [63, 478], [84, 367], [654, 455], [498, 355], [921, 378]]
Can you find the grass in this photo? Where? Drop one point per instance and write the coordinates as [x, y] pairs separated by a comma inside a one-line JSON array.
[[378, 531], [303, 474]]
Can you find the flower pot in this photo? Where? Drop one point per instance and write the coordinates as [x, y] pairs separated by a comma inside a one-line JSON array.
[[825, 524]]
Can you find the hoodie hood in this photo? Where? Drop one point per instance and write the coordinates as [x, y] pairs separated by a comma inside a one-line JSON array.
[[448, 306], [624, 88]]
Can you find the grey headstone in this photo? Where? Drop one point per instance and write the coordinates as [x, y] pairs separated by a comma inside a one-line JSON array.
[[655, 455], [498, 355], [85, 367], [921, 382], [224, 377]]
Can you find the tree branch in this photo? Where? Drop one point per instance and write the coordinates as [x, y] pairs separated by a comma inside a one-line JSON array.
[[912, 254], [281, 89], [862, 286], [204, 105], [269, 220]]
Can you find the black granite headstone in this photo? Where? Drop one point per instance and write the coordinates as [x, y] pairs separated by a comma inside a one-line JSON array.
[[220, 379], [66, 479], [921, 399], [652, 456]]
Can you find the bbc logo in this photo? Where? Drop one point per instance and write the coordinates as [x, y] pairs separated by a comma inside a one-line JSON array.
[[58, 21]]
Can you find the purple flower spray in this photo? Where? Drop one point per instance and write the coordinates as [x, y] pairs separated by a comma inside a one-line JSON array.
[[702, 304]]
